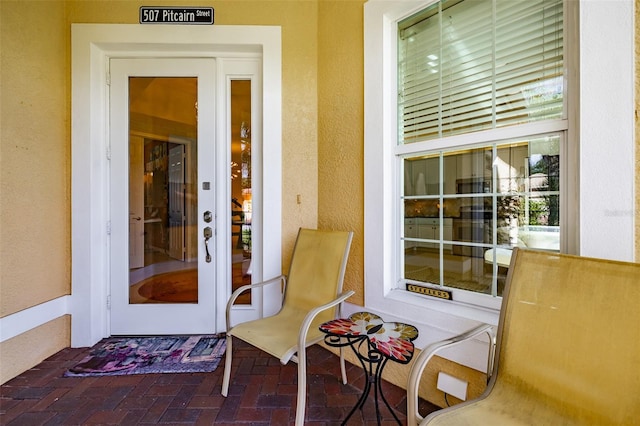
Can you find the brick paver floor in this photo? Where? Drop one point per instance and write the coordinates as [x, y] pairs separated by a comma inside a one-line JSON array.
[[262, 392]]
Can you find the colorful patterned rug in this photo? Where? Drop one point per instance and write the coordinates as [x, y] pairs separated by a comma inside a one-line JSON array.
[[117, 356]]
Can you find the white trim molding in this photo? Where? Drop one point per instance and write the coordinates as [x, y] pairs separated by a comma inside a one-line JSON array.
[[15, 324], [91, 47], [604, 161]]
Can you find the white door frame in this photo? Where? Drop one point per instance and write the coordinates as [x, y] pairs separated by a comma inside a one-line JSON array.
[[128, 318], [92, 46]]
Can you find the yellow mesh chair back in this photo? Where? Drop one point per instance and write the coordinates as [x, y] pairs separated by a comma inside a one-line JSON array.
[[568, 349], [317, 270], [311, 296]]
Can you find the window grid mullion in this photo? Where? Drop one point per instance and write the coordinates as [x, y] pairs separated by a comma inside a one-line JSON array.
[[441, 59], [452, 121]]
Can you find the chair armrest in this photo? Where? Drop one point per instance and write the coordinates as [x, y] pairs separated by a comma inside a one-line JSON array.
[[281, 278], [308, 319], [420, 363]]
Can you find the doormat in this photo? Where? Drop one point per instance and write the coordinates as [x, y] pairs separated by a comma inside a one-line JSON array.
[[117, 356]]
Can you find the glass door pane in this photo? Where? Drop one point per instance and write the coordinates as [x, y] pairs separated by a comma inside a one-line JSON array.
[[241, 208], [163, 195]]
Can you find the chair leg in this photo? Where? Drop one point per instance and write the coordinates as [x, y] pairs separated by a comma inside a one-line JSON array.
[[227, 367], [343, 369], [302, 386]]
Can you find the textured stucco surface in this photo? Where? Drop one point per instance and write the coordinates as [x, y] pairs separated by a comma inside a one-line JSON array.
[[34, 155], [341, 129], [323, 113], [35, 117], [298, 20]]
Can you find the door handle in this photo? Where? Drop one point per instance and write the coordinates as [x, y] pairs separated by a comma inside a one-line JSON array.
[[208, 233]]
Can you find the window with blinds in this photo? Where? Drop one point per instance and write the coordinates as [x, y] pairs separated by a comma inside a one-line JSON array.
[[470, 65]]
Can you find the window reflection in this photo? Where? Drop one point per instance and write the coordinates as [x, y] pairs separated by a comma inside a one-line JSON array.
[[241, 186], [464, 212], [163, 197]]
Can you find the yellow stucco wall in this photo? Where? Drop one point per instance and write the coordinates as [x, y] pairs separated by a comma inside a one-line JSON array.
[[298, 19], [35, 160], [323, 139], [341, 129], [35, 145], [35, 231]]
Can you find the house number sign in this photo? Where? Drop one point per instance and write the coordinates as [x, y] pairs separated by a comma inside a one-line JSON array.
[[176, 15]]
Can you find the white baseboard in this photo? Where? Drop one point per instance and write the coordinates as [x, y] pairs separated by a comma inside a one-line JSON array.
[[15, 324]]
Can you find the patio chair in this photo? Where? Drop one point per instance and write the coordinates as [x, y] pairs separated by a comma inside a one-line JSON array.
[[568, 347], [311, 296]]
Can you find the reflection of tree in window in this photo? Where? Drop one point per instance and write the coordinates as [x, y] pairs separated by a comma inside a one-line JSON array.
[[544, 175]]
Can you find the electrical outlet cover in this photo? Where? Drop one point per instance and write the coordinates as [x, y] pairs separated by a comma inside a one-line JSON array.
[[452, 386]]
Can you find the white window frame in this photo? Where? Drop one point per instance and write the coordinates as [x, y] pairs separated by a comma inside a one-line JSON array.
[[605, 84], [382, 184], [520, 133]]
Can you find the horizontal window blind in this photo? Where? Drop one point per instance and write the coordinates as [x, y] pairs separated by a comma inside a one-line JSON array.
[[472, 65]]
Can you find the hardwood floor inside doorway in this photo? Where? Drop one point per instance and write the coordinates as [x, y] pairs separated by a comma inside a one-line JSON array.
[[166, 280]]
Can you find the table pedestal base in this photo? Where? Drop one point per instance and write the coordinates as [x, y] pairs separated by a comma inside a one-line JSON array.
[[374, 342], [373, 372]]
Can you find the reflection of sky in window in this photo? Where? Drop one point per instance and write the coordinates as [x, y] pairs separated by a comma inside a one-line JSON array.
[[543, 91], [534, 159]]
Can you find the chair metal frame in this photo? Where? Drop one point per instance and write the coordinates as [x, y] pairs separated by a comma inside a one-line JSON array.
[[567, 349], [421, 361], [297, 352]]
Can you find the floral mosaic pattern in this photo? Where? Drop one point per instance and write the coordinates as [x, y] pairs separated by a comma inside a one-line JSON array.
[[391, 339]]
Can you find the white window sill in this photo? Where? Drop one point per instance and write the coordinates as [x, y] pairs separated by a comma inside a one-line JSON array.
[[437, 320], [488, 313]]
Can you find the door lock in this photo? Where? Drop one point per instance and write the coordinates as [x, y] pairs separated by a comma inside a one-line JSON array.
[[207, 216], [208, 233]]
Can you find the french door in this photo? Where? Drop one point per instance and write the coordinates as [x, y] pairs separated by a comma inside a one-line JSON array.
[[163, 221]]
